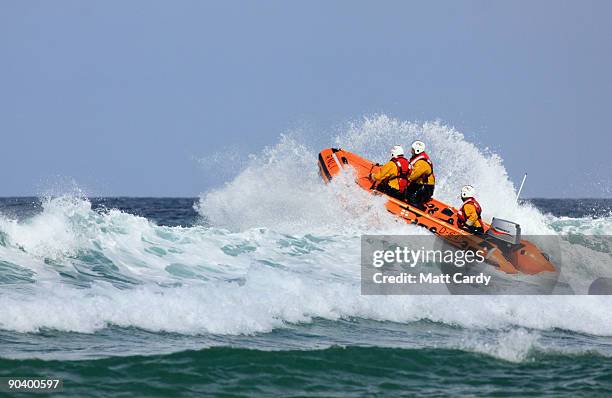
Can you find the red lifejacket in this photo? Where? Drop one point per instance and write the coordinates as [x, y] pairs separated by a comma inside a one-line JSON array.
[[402, 172], [461, 214], [421, 156]]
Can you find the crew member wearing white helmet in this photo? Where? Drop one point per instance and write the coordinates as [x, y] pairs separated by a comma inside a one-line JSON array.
[[421, 177], [391, 177], [469, 213]]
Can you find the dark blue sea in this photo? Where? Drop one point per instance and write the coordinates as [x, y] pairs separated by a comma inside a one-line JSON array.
[[151, 297]]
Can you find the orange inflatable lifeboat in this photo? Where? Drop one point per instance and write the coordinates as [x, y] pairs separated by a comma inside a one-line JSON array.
[[501, 242]]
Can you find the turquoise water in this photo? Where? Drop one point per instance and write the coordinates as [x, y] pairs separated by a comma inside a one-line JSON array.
[[276, 327], [253, 289], [335, 371]]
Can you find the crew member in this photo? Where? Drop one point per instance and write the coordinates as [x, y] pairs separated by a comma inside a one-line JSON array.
[[391, 177], [469, 213], [421, 178]]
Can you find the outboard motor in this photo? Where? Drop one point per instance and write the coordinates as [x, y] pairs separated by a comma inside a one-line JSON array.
[[504, 231]]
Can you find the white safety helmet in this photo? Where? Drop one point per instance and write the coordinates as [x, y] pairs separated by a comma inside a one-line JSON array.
[[467, 191], [418, 147], [397, 151]]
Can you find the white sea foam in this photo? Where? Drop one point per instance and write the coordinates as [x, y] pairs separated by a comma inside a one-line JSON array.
[[281, 248]]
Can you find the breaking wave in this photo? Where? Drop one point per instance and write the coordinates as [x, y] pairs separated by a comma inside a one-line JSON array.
[[278, 248]]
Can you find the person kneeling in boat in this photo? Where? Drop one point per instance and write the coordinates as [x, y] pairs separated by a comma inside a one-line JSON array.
[[469, 214], [391, 177], [421, 178]]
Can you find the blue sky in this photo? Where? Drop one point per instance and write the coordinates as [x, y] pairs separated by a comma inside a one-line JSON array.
[[122, 96]]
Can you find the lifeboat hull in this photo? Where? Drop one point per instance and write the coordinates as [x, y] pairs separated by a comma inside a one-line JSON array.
[[438, 217]]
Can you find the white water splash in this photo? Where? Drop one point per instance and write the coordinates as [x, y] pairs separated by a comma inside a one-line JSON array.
[[283, 248]]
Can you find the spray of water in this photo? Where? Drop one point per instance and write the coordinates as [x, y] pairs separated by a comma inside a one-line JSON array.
[[279, 247]]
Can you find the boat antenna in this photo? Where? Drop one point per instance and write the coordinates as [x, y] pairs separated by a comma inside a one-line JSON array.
[[518, 195]]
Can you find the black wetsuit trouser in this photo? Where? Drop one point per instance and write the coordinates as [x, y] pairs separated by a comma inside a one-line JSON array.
[[386, 189], [418, 194]]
